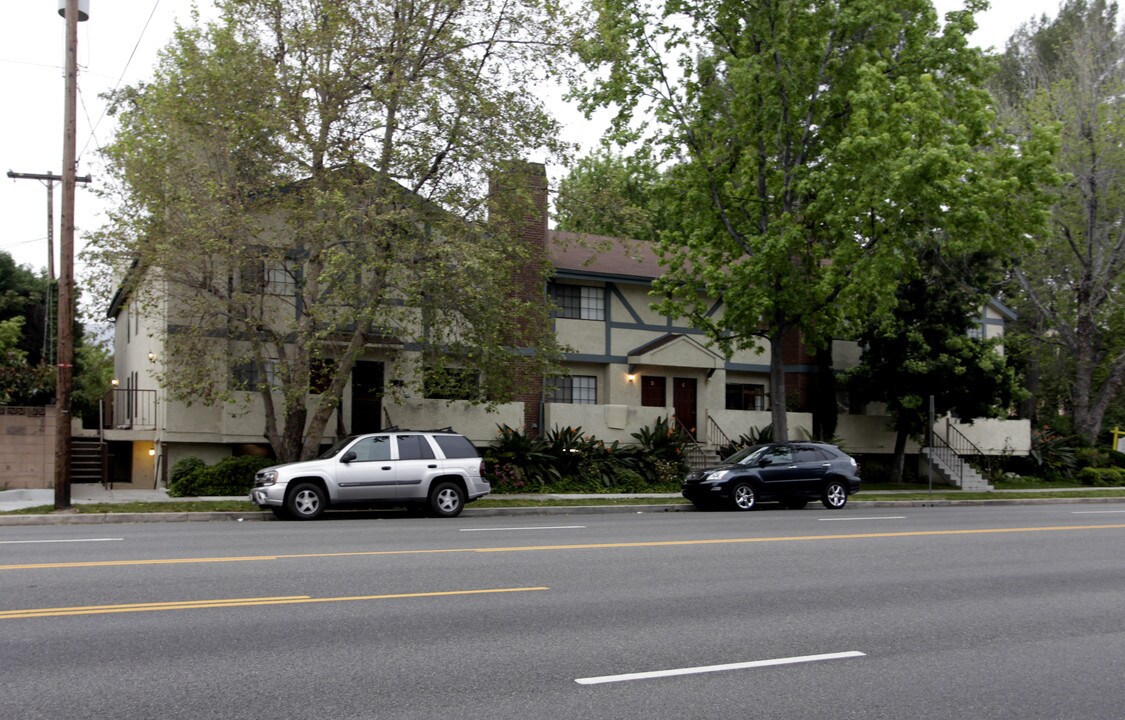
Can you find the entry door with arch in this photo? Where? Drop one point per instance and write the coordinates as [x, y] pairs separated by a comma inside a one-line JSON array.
[[684, 402]]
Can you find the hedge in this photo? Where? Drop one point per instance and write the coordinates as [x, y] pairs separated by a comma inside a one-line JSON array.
[[233, 476]]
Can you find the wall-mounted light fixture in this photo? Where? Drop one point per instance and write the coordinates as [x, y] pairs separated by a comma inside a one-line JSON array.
[[114, 382], [152, 452], [631, 377], [152, 357]]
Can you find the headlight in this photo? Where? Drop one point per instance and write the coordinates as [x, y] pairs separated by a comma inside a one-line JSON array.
[[267, 478], [716, 476]]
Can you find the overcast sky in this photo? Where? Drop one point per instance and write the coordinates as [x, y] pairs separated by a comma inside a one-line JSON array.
[[118, 46]]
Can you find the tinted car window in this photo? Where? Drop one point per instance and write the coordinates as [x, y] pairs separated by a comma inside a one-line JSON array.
[[414, 447], [456, 446], [372, 449], [779, 454], [812, 454]]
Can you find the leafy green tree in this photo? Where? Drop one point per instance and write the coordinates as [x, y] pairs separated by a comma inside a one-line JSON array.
[[1070, 71], [925, 348], [304, 181], [808, 144], [607, 193], [23, 294]]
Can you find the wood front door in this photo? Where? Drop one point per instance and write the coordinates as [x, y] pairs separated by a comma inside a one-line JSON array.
[[683, 402], [654, 392]]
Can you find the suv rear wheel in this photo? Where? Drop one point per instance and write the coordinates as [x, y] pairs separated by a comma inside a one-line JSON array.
[[446, 500], [835, 495]]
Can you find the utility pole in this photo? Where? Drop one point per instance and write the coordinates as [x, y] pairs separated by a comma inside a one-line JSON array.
[[64, 383], [50, 179]]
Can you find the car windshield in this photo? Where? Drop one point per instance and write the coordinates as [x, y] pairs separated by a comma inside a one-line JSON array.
[[335, 449], [747, 455]]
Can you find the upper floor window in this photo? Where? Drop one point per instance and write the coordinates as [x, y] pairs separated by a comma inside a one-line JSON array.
[[576, 389], [580, 302], [248, 376], [271, 277]]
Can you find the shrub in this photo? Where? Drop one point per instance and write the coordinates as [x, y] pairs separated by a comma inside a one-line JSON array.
[[183, 470], [1091, 457], [231, 476], [1054, 452], [567, 460], [530, 455], [1102, 477]]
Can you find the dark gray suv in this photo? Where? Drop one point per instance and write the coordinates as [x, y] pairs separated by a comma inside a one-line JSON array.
[[792, 473]]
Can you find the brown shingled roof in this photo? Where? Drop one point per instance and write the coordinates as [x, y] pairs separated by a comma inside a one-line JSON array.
[[582, 252]]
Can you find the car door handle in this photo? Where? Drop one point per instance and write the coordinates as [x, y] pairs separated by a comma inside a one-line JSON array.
[[431, 466], [386, 467]]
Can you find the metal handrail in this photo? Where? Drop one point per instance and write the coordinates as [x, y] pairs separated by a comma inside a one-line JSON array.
[[941, 450], [130, 409], [694, 454], [715, 434], [955, 445]]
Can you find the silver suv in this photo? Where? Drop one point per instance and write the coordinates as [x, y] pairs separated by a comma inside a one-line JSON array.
[[438, 470]]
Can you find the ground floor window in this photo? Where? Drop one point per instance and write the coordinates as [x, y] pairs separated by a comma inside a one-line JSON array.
[[575, 389], [746, 396]]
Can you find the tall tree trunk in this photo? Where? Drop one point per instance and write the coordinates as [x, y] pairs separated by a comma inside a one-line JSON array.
[[777, 387], [899, 461]]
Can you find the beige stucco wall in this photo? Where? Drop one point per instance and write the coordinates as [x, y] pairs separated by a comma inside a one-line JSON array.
[[475, 422], [27, 447]]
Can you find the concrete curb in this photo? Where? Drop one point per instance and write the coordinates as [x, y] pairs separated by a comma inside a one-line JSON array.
[[72, 518]]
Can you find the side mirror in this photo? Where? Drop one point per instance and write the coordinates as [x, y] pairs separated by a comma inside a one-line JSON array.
[[348, 456], [765, 461]]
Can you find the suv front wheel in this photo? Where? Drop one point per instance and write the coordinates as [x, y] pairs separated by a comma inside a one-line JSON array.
[[742, 496], [447, 500], [305, 502]]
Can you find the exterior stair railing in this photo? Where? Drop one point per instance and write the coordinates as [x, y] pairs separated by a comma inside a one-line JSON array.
[[694, 454], [716, 438], [952, 449]]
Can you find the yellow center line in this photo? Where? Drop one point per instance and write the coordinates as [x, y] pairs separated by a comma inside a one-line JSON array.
[[584, 546], [237, 602]]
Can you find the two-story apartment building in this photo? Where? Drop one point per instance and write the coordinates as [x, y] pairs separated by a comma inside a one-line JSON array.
[[627, 364]]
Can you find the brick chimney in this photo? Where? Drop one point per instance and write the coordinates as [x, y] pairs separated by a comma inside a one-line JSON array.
[[518, 206]]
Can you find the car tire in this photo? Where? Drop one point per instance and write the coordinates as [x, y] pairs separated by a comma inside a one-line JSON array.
[[306, 501], [795, 503], [742, 497], [446, 500], [835, 495]]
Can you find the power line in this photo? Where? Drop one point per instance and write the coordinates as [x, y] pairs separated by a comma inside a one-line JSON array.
[[120, 77]]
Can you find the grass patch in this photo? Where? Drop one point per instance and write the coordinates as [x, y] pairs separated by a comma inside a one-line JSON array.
[[883, 492]]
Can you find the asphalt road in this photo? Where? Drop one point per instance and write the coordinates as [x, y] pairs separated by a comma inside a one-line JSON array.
[[1012, 612]]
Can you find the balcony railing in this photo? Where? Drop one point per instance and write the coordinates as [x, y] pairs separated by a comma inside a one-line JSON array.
[[130, 410]]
